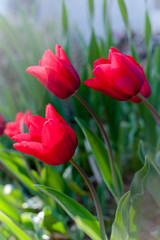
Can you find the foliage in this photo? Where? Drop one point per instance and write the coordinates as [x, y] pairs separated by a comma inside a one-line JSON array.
[[25, 211]]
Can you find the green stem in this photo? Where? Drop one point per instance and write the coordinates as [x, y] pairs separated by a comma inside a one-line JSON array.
[[106, 139], [151, 108], [29, 171], [95, 198]]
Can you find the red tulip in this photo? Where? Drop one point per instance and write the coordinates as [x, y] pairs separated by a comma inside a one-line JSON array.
[[119, 77], [50, 139], [145, 91], [2, 124], [16, 127], [56, 73]]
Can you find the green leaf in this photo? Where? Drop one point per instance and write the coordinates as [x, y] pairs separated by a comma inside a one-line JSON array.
[[48, 174], [141, 152], [104, 10], [148, 38], [52, 221], [64, 17], [109, 42], [13, 226], [2, 237], [148, 33], [153, 176], [91, 9], [59, 227], [82, 217], [5, 231], [93, 49], [137, 191], [127, 221], [157, 59], [153, 184], [102, 159], [75, 188], [14, 164], [119, 231], [8, 207], [123, 9], [133, 51]]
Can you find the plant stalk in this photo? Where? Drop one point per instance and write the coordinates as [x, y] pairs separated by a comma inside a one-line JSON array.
[[106, 139], [95, 198], [151, 108]]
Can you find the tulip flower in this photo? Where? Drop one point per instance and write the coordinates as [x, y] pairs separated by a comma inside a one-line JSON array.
[[50, 139], [119, 77], [2, 124], [16, 127], [145, 92], [56, 73]]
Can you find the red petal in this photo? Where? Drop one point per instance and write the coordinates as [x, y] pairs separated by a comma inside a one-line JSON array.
[[51, 113], [75, 79], [63, 151], [40, 73], [104, 75], [19, 117], [133, 60], [135, 100], [32, 148], [22, 137], [60, 53], [12, 128], [127, 76], [96, 84], [111, 51], [61, 140], [70, 136], [68, 68], [145, 91], [93, 83], [101, 61], [52, 133], [48, 59], [35, 127], [59, 84], [26, 115]]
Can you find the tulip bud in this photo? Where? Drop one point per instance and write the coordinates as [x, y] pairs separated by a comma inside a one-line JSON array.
[[50, 139], [56, 73], [119, 77]]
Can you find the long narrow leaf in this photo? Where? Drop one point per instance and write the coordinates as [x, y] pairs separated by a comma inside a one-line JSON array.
[[17, 231], [148, 41], [123, 10], [8, 207], [64, 17], [102, 159], [82, 217], [14, 164]]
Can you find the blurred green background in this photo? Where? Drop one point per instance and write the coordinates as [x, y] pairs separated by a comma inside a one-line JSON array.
[[86, 30]]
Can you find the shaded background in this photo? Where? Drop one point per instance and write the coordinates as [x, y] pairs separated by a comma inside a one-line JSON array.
[[86, 30]]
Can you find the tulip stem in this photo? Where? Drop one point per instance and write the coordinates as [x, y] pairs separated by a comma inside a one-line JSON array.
[[106, 139], [151, 108], [95, 198]]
